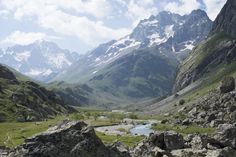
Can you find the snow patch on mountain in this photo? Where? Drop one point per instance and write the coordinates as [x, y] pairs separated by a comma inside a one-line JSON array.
[[22, 56], [38, 60]]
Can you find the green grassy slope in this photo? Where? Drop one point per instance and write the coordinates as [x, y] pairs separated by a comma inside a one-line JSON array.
[[141, 75], [24, 100]]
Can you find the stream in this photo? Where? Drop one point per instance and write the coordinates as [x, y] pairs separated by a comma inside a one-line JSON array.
[[139, 129]]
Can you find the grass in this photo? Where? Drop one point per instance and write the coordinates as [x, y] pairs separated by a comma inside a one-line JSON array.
[[129, 141], [14, 133], [184, 129], [122, 130]]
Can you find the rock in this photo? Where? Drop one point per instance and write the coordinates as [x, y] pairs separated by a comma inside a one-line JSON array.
[[193, 112], [227, 85], [173, 140], [211, 117], [164, 121], [215, 123], [68, 139], [226, 135], [199, 142], [186, 122], [120, 149], [202, 114], [167, 114], [182, 109], [188, 153], [157, 139], [226, 152]]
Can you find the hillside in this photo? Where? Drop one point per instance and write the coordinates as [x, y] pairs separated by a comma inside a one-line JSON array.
[[139, 66], [216, 55], [24, 100], [142, 74]]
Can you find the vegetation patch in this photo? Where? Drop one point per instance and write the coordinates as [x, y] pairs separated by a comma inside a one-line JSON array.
[[129, 141], [183, 129]]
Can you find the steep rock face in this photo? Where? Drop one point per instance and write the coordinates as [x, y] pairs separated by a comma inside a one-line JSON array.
[[69, 139], [226, 20], [41, 60], [216, 52], [24, 100]]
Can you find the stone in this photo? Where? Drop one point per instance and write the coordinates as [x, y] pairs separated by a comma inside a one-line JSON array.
[[227, 85], [211, 117], [157, 139], [226, 135], [68, 139], [225, 152], [193, 112], [186, 122], [173, 140]]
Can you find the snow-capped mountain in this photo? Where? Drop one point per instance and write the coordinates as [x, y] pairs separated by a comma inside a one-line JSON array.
[[168, 31], [40, 60]]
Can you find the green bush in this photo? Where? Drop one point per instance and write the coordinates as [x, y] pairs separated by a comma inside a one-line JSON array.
[[181, 102]]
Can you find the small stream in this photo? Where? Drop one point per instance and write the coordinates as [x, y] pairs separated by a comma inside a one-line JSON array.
[[139, 129]]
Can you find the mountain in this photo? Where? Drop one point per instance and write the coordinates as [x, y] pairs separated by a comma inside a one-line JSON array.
[[141, 65], [24, 100], [41, 60], [168, 31], [216, 56]]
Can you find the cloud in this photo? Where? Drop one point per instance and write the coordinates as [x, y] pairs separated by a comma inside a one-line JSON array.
[[139, 9], [68, 19], [23, 38], [213, 7], [182, 6]]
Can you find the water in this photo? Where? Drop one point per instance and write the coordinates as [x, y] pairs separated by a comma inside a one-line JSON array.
[[142, 130]]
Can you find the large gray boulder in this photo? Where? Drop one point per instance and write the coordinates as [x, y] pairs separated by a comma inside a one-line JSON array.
[[226, 135], [69, 139], [227, 85], [173, 140]]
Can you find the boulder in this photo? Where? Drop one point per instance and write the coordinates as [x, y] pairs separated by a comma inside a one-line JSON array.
[[226, 135], [68, 139], [173, 140], [227, 85], [225, 152], [157, 139]]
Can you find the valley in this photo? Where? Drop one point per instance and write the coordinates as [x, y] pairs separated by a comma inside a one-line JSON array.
[[166, 89]]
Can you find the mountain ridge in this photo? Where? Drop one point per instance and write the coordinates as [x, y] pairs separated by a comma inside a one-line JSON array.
[[40, 60]]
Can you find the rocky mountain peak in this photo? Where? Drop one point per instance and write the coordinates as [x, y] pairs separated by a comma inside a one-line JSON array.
[[226, 20], [40, 60]]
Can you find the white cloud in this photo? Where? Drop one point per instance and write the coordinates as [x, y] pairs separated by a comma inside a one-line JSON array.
[[182, 6], [56, 15], [23, 38], [139, 9], [213, 7]]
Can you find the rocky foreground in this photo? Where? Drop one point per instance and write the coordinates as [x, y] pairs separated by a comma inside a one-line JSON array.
[[76, 139]]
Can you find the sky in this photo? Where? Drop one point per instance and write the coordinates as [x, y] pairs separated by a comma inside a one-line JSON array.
[[81, 25]]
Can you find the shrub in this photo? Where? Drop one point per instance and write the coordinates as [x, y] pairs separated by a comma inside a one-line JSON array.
[[181, 102]]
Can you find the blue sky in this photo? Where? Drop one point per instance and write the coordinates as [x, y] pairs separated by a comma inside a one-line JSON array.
[[80, 25]]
